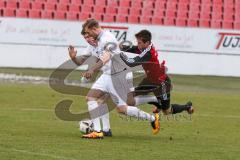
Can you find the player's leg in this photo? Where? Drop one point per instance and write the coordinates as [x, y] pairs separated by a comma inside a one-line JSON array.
[[140, 94], [163, 95], [119, 89], [95, 113], [178, 108], [105, 120], [94, 95]]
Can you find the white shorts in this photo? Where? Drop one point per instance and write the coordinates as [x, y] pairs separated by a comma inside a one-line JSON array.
[[118, 86]]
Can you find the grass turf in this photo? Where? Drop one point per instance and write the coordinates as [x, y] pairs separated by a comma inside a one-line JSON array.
[[31, 131]]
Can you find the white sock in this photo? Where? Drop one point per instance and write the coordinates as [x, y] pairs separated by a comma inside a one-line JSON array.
[[105, 117], [94, 115], [136, 112], [145, 99]]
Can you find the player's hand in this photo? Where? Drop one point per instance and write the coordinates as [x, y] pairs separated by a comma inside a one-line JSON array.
[[88, 74], [72, 52]]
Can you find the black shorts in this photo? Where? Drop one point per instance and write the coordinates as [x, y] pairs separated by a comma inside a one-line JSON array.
[[161, 91]]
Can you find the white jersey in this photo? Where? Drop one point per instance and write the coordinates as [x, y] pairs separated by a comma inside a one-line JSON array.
[[115, 64]]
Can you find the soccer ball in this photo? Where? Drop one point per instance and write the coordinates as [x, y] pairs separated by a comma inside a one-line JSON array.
[[85, 126]]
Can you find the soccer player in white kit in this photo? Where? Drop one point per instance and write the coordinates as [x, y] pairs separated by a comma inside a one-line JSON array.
[[79, 61], [113, 81]]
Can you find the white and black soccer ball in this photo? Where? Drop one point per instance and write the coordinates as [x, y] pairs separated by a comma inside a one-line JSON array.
[[85, 126]]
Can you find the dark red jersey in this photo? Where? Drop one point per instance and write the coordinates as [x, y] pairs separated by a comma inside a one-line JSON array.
[[148, 58]]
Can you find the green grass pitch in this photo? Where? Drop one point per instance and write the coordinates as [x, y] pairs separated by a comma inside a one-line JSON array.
[[30, 130]]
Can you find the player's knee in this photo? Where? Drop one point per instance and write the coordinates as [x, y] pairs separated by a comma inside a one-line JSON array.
[[88, 98], [166, 111], [131, 102], [121, 109]]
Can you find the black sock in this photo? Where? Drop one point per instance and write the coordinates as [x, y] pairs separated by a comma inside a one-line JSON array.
[[177, 108]]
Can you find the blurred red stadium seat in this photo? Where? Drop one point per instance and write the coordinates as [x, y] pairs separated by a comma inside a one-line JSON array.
[[124, 3], [227, 24], [237, 25], [228, 17], [205, 15], [23, 13], [49, 6], [216, 16], [184, 1], [97, 16], [47, 14], [88, 2], [133, 19], [100, 3], [36, 6], [121, 18], [181, 22], [113, 3], [217, 8], [83, 15], [8, 12], [72, 16], [160, 5], [23, 5], [216, 24], [192, 22], [76, 2], [159, 12], [147, 12], [34, 14], [62, 7], [219, 2], [146, 4], [193, 15], [108, 18], [182, 14], [99, 9], [169, 21], [204, 23], [122, 11], [206, 1], [2, 4], [136, 3], [111, 10], [11, 4], [183, 7], [64, 1], [53, 1], [194, 8], [86, 8], [134, 12], [145, 20], [157, 20], [207, 8], [60, 15], [171, 6], [170, 14]]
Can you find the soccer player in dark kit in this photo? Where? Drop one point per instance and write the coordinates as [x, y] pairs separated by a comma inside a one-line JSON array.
[[156, 80]]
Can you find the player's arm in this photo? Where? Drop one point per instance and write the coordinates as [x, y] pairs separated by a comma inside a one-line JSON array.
[[138, 60], [125, 48], [73, 55], [99, 64]]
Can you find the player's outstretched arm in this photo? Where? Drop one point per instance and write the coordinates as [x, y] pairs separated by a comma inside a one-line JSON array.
[[138, 60], [125, 48], [73, 55]]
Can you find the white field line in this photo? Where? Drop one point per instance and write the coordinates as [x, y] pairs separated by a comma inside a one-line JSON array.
[[41, 154]]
